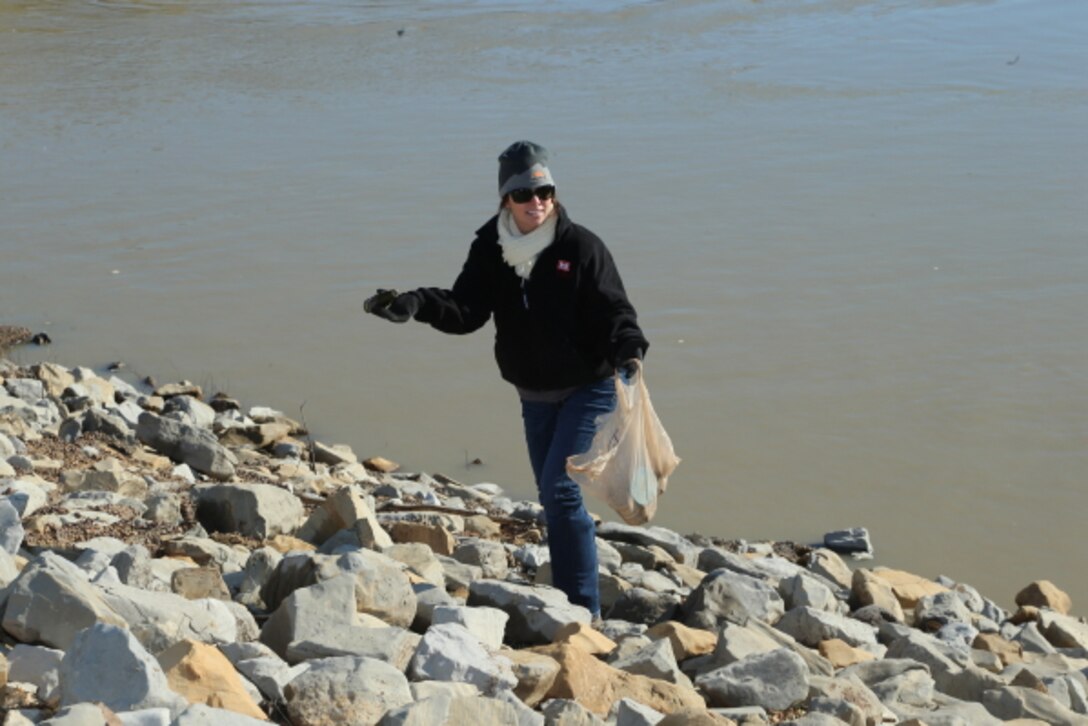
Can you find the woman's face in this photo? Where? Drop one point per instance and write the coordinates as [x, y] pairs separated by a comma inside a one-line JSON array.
[[531, 214]]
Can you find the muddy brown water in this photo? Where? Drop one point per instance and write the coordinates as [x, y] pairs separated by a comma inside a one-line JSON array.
[[855, 232]]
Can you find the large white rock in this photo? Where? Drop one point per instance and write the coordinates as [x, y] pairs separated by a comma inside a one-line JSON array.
[[382, 587], [487, 624], [475, 710], [160, 619], [196, 447], [270, 674], [145, 717], [346, 690], [774, 681], [200, 715], [28, 496], [51, 601], [320, 621], [536, 612], [36, 665], [253, 510], [449, 652], [8, 570], [811, 626], [106, 663], [725, 595], [11, 527]]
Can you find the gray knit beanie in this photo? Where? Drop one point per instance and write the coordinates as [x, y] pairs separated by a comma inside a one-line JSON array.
[[523, 166]]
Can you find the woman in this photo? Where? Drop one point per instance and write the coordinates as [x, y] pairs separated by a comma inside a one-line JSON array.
[[563, 326]]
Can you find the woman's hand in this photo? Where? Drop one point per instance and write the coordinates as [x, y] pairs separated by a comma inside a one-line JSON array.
[[391, 306]]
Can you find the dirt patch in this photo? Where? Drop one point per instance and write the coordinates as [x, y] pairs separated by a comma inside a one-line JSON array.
[[12, 335]]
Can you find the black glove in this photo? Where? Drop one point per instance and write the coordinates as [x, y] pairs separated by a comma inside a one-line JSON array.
[[629, 368], [397, 308], [630, 357]]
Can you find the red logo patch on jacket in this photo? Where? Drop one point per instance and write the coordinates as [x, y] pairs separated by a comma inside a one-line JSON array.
[[563, 267]]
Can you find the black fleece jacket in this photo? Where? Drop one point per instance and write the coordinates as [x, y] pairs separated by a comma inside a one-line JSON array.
[[569, 324]]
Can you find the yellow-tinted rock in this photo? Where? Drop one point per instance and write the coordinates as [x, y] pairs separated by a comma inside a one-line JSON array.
[[1025, 614], [690, 576], [197, 583], [908, 587], [1006, 650], [585, 637], [483, 526], [1044, 594], [202, 674], [596, 685], [868, 589], [437, 538], [284, 543], [535, 673], [1027, 679], [686, 642], [378, 463], [841, 654], [697, 718]]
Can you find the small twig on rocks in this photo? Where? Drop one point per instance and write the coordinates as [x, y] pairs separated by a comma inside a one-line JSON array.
[[309, 438]]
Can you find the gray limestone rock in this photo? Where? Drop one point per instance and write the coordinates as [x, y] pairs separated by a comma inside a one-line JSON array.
[[896, 680], [951, 667], [90, 667], [38, 666], [849, 541], [727, 596], [346, 690], [935, 611], [775, 681], [536, 613], [629, 712], [382, 588], [487, 624], [476, 710], [259, 569], [160, 619], [654, 660], [1063, 631], [270, 674], [51, 601], [196, 447], [428, 598], [252, 510], [737, 642], [679, 547], [310, 611], [489, 556], [449, 652], [810, 626], [420, 559], [11, 527], [808, 591], [845, 694], [1012, 702], [564, 712], [198, 714], [645, 607], [189, 410]]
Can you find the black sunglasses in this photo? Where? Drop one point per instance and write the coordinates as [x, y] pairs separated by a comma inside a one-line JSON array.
[[521, 196]]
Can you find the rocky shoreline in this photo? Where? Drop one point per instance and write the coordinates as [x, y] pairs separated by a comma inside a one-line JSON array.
[[167, 558]]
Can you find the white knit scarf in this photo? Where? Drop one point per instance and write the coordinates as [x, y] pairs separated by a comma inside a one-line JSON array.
[[521, 250]]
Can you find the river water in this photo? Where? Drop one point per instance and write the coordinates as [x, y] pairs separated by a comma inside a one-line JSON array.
[[856, 233]]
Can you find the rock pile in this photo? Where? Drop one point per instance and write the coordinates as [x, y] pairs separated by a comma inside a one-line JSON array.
[[170, 560]]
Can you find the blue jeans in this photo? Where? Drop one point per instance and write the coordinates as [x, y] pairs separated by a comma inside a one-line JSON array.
[[555, 431]]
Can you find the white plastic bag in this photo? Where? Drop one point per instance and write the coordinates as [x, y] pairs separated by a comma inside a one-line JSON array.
[[631, 457]]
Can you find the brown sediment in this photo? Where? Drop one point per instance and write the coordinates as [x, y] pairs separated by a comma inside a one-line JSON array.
[[12, 335]]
